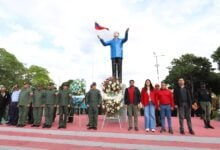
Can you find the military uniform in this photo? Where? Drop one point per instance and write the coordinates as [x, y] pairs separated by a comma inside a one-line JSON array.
[[37, 104], [64, 103], [50, 103], [24, 102], [93, 101], [71, 111]]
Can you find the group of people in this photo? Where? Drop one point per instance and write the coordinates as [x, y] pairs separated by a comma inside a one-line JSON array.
[[27, 103], [165, 100]]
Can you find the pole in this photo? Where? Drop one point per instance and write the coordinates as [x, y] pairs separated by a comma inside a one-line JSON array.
[[157, 66]]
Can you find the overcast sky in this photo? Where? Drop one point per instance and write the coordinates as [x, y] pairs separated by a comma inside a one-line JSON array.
[[60, 36]]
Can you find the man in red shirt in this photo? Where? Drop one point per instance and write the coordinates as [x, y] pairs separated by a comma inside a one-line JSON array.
[[131, 100], [166, 103]]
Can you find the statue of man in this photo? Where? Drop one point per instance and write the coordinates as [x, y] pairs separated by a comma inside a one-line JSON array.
[[116, 45]]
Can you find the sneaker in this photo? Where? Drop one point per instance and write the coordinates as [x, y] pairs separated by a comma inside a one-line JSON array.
[[153, 130], [147, 130]]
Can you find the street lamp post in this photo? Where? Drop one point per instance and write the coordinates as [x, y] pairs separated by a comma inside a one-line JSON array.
[[157, 66]]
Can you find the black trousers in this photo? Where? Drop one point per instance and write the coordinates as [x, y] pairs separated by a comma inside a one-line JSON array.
[[185, 112], [157, 117], [30, 115], [117, 68], [2, 111], [13, 113]]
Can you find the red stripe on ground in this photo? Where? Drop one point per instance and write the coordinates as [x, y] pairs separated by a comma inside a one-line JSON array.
[[116, 140]]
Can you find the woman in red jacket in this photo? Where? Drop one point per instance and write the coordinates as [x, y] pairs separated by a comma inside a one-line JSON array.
[[149, 100]]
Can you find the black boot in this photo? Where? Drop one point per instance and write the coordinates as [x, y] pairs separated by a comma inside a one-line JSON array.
[[70, 120], [205, 124], [209, 126]]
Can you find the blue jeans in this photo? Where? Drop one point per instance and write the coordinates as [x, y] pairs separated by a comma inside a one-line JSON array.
[[165, 111], [149, 116]]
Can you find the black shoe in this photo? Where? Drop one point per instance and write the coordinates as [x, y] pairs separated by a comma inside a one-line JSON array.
[[171, 131], [18, 125], [209, 126], [136, 129], [89, 128], [158, 125], [130, 128], [182, 132], [192, 132], [49, 126], [9, 124], [13, 124], [60, 127], [205, 124], [95, 128], [162, 130], [44, 126], [33, 125], [37, 125]]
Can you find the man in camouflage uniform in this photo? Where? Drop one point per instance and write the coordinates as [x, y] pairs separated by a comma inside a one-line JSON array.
[[64, 103], [37, 104], [24, 102], [50, 103], [93, 101]]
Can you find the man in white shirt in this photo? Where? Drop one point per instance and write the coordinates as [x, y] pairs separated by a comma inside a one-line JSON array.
[[13, 109]]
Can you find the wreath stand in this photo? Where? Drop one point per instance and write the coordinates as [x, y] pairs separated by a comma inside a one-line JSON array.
[[109, 117]]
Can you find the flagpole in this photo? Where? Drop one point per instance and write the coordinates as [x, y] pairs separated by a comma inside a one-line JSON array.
[[92, 66]]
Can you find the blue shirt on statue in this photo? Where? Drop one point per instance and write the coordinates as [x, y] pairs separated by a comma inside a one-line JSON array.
[[116, 45]]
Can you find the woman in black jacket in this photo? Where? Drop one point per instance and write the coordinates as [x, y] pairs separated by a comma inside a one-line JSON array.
[[4, 101]]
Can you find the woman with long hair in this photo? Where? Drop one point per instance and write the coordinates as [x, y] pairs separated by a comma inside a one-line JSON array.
[[149, 101]]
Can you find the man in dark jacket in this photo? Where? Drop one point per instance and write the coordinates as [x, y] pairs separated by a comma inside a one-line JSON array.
[[183, 100], [4, 101], [204, 98], [132, 99]]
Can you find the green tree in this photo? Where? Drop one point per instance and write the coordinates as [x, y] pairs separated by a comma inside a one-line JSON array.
[[216, 57], [38, 75], [11, 70], [192, 68]]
